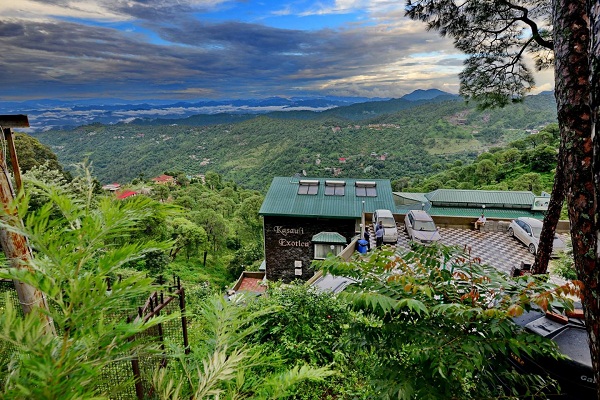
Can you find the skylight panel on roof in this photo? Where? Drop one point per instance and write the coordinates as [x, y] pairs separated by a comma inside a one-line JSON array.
[[306, 186], [335, 188], [366, 189]]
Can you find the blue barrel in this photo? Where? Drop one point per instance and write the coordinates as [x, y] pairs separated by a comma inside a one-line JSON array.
[[362, 246]]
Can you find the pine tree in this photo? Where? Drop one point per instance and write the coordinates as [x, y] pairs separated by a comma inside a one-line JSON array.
[[563, 33]]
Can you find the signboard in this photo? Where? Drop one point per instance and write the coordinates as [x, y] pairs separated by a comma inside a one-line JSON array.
[[540, 203]]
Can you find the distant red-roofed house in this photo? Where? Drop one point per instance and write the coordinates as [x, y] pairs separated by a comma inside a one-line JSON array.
[[342, 159], [125, 194], [164, 180]]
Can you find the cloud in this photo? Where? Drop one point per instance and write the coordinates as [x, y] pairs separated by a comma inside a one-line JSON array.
[[69, 49], [205, 59], [105, 10], [368, 7], [45, 10]]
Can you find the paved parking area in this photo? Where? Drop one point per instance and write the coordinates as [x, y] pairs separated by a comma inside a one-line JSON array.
[[493, 248]]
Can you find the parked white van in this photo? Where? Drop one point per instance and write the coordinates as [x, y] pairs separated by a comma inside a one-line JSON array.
[[386, 218]]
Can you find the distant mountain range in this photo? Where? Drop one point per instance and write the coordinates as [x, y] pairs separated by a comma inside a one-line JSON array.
[[376, 139], [46, 114]]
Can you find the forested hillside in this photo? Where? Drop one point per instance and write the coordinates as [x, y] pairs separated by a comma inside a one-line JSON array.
[[524, 164], [355, 141]]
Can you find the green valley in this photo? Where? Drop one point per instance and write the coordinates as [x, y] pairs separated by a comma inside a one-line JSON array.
[[388, 139]]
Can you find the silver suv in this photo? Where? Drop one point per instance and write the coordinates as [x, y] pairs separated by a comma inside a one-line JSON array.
[[420, 227]]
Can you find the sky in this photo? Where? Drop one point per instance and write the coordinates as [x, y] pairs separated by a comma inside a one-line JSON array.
[[220, 49]]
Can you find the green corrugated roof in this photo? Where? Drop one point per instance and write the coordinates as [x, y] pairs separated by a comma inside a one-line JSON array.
[[481, 197], [503, 213], [283, 199], [328, 237], [417, 197]]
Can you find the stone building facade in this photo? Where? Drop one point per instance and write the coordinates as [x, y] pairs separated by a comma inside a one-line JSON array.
[[289, 249], [304, 218]]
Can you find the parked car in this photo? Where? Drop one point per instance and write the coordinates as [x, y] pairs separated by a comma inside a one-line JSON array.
[[386, 218], [420, 227], [528, 230]]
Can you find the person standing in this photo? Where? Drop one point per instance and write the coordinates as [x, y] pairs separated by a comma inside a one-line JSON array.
[[367, 237], [379, 235]]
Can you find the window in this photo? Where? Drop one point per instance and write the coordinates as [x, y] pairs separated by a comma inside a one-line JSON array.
[[335, 188], [308, 187], [324, 249], [366, 189]]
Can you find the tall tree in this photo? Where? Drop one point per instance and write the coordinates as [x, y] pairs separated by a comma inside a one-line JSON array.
[[496, 35]]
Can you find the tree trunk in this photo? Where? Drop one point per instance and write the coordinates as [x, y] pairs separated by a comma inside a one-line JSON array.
[[593, 315], [572, 72], [552, 216], [17, 249]]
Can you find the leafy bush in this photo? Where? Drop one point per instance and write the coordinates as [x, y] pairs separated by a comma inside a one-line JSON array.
[[439, 324], [222, 364], [307, 325], [79, 243]]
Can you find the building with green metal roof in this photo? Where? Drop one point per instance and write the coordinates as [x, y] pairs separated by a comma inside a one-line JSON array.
[[307, 218], [471, 203], [283, 197]]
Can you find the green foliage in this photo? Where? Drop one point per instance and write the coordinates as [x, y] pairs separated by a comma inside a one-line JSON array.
[[543, 158], [222, 366], [246, 258], [254, 150], [439, 323], [306, 326], [564, 266], [485, 170], [78, 245], [530, 181], [33, 154], [187, 236], [526, 164], [217, 231]]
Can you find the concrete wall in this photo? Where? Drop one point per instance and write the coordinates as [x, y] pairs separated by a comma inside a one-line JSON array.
[[467, 222]]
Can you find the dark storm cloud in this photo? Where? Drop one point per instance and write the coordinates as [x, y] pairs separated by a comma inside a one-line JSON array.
[[326, 52], [227, 59]]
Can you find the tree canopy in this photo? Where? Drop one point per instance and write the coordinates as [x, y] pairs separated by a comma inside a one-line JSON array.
[[496, 36]]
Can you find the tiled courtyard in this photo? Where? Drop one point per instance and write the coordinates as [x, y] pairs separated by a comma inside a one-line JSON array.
[[494, 248]]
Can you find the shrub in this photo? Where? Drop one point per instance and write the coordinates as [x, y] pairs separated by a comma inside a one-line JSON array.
[[307, 326], [439, 324]]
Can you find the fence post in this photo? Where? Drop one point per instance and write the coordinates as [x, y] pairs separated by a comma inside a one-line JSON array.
[[137, 375], [183, 320], [161, 337]]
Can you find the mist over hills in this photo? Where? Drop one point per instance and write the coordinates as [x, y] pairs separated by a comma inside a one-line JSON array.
[[376, 139], [46, 114]]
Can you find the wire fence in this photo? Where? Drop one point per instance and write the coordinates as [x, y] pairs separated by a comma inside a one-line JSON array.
[[8, 295], [128, 379]]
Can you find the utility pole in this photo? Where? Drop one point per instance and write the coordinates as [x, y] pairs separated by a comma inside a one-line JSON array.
[[15, 245]]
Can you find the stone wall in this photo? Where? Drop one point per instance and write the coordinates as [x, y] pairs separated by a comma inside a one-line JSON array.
[[289, 250]]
